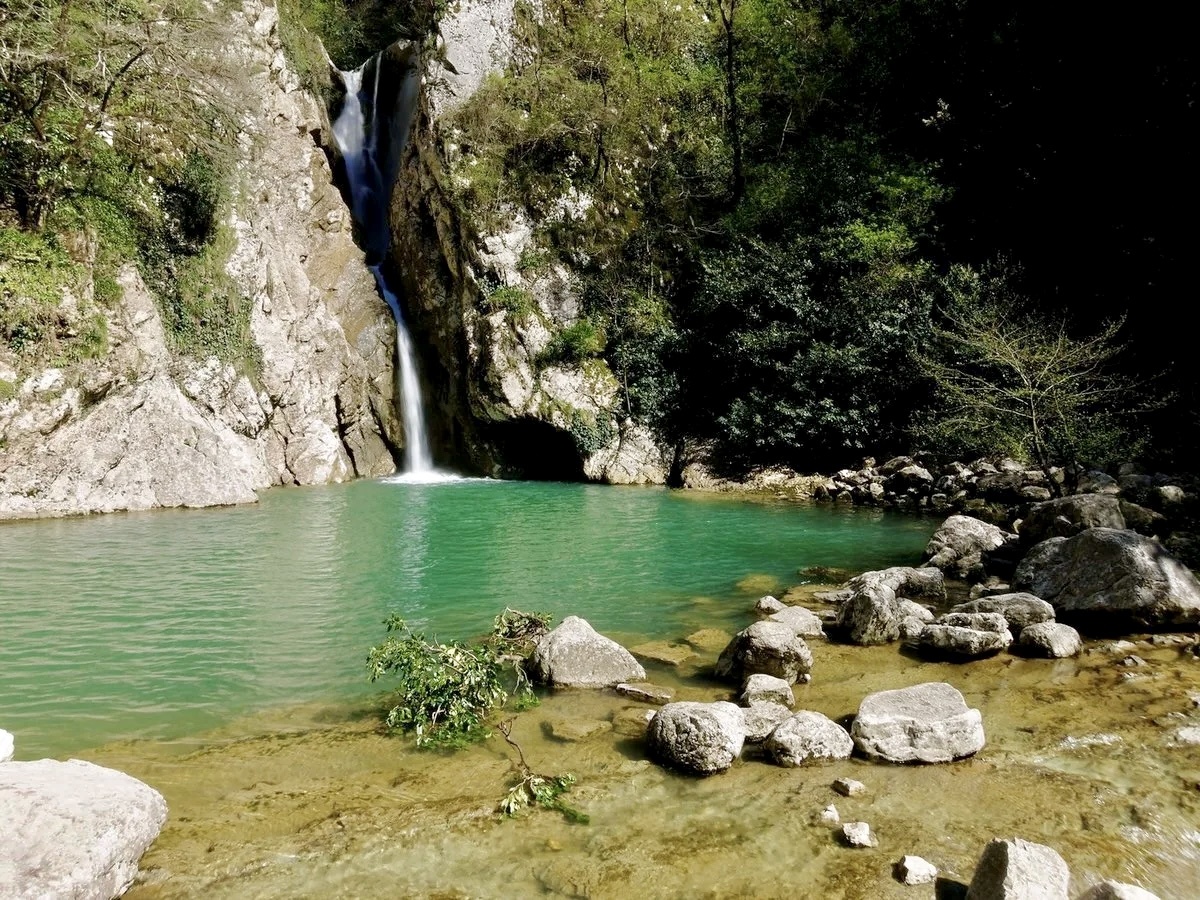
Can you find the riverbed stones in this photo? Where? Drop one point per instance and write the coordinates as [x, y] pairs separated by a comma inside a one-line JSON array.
[[966, 635], [915, 870], [1019, 870], [1116, 890], [708, 639], [701, 738], [848, 787], [858, 835], [576, 730], [803, 622], [1068, 516], [1020, 609], [806, 736], [770, 648], [761, 719], [760, 688], [575, 655], [664, 652], [926, 723], [1109, 576], [7, 746], [870, 610], [957, 547], [82, 829], [1052, 640]]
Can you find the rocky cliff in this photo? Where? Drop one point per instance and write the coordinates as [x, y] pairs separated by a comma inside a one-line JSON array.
[[142, 426], [488, 320]]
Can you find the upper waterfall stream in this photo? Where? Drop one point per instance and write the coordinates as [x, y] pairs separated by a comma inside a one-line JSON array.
[[356, 133]]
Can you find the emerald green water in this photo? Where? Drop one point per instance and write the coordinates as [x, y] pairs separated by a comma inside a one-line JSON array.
[[158, 625]]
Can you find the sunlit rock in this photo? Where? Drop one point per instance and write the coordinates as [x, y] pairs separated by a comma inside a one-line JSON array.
[[807, 736], [770, 648], [1019, 870], [575, 655], [927, 723], [702, 738]]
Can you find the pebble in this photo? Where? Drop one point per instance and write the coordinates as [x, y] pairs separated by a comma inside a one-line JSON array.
[[848, 787], [829, 816], [858, 835], [915, 870]]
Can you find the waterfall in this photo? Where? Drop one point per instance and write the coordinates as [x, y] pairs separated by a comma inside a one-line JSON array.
[[358, 138]]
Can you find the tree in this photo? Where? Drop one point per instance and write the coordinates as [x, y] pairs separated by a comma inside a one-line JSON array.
[[1018, 382]]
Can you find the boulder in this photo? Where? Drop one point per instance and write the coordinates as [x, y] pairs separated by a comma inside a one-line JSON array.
[[913, 476], [1112, 577], [702, 738], [761, 719], [1142, 520], [957, 547], [1019, 870], [1050, 639], [848, 787], [808, 735], [770, 648], [82, 829], [7, 746], [1020, 610], [575, 655], [1115, 890], [915, 870], [926, 723], [767, 606], [968, 635], [762, 688], [803, 622], [870, 611], [1067, 516], [910, 610]]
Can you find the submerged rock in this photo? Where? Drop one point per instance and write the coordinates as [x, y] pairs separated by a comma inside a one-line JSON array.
[[1019, 609], [770, 648], [575, 655], [1112, 577], [808, 735], [1050, 639], [926, 723], [703, 738], [664, 652], [1019, 870], [957, 547], [82, 829]]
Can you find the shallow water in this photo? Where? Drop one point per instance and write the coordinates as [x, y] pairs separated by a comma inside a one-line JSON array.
[[164, 624]]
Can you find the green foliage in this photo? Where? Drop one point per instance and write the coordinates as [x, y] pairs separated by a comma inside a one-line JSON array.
[[534, 790], [577, 342], [447, 692], [514, 300], [350, 32], [1013, 380]]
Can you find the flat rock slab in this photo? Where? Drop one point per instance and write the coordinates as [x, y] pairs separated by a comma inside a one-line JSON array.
[[82, 829], [927, 723], [664, 652], [708, 639], [1019, 870], [575, 730], [1019, 609], [646, 692], [575, 655]]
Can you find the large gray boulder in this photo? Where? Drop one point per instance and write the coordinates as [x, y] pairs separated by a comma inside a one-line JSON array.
[[701, 738], [808, 735], [926, 723], [1019, 870], [957, 547], [1067, 516], [1116, 890], [803, 622], [575, 655], [1020, 610], [77, 829], [768, 648], [1112, 577], [1050, 639], [966, 635], [871, 611]]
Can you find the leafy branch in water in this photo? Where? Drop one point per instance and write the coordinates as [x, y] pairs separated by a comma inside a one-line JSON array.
[[447, 691], [537, 790]]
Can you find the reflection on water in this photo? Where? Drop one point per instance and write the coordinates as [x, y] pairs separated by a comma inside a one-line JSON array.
[[163, 624]]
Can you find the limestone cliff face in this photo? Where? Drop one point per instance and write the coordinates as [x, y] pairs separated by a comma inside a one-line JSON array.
[[143, 427], [502, 404]]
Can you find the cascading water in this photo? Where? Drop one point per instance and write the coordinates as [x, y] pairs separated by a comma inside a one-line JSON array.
[[357, 136]]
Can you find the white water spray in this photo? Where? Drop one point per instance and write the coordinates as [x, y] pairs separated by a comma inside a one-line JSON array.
[[357, 137]]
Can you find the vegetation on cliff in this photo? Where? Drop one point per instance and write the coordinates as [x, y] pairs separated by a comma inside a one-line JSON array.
[[775, 207]]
